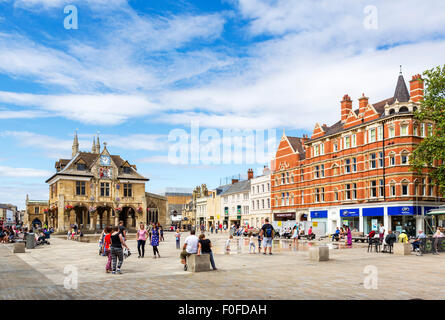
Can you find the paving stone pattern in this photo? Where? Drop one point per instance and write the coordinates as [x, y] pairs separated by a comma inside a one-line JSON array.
[[287, 274]]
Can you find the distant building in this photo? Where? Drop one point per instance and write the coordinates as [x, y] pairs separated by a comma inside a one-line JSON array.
[[37, 214], [177, 199], [95, 189], [8, 214]]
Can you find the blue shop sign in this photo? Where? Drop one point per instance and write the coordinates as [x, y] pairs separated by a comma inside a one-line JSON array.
[[404, 211], [373, 212], [349, 213], [319, 214]]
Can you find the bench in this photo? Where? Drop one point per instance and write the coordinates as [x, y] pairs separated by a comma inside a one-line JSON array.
[[197, 263], [359, 236], [319, 253], [402, 249], [19, 247]]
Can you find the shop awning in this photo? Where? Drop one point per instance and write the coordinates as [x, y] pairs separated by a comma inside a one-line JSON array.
[[436, 211]]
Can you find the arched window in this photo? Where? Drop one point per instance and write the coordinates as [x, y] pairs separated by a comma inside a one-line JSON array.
[[414, 108], [392, 159], [405, 187], [404, 157], [392, 188], [403, 109], [392, 111], [336, 194]]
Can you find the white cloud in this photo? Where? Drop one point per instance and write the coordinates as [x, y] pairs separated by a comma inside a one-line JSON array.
[[106, 109], [6, 171]]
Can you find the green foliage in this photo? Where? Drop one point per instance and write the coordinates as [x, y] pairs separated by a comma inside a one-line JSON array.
[[432, 109]]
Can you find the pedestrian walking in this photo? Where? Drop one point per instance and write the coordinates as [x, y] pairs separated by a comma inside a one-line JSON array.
[[161, 232], [178, 239], [205, 247], [107, 249], [122, 230], [295, 236], [117, 241], [150, 230], [267, 231], [155, 241], [142, 236], [251, 242], [437, 237], [227, 246], [381, 232], [348, 236]]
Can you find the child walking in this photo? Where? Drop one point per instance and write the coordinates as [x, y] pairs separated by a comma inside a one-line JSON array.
[[228, 244], [251, 242]]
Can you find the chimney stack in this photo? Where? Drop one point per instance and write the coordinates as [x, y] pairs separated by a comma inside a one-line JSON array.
[[249, 174], [234, 181], [362, 104], [346, 107], [416, 88]]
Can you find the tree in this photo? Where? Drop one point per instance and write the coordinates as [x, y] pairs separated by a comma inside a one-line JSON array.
[[429, 156]]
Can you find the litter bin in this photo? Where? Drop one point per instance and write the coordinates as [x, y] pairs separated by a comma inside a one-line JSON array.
[[30, 241]]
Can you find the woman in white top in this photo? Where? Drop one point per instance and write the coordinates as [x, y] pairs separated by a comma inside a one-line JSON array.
[[295, 235], [437, 235]]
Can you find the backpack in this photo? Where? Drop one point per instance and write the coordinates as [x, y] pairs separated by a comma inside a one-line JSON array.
[[269, 231]]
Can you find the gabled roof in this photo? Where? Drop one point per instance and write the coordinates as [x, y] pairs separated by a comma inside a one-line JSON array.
[[90, 158], [297, 145], [401, 94]]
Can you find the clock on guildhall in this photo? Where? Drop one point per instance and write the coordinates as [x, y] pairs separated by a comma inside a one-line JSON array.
[[95, 189]]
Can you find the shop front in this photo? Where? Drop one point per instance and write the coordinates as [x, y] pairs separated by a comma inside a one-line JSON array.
[[319, 221], [372, 218], [283, 220], [404, 218], [350, 218], [434, 219]]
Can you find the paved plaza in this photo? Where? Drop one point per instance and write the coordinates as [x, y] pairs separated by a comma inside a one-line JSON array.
[[287, 274]]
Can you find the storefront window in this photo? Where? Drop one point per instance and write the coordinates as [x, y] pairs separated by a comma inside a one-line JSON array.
[[372, 223], [351, 222], [407, 223]]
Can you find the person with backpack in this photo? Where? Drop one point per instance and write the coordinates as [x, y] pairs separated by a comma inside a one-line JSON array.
[[267, 231]]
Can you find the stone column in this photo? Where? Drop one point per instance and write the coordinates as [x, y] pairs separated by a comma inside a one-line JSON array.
[[129, 220], [93, 220], [61, 214]]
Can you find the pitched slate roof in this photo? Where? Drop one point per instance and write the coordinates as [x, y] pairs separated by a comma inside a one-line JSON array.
[[237, 187], [297, 144], [90, 158], [401, 93]]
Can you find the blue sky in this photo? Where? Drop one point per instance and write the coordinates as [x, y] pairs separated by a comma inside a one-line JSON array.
[[136, 70]]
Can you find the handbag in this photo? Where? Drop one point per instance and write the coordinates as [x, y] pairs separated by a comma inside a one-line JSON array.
[[127, 253]]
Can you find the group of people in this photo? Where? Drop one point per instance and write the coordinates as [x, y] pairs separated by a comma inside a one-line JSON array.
[[343, 233], [10, 234], [112, 244]]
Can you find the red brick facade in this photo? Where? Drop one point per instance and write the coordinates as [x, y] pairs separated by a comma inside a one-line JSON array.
[[362, 159]]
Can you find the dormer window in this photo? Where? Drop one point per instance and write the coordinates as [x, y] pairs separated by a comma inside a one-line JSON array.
[[81, 166], [126, 170]]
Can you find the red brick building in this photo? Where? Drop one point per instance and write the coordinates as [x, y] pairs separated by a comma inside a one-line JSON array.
[[357, 171]]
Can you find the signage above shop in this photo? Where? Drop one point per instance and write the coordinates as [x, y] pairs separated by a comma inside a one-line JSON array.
[[320, 214], [285, 215], [349, 213], [404, 210]]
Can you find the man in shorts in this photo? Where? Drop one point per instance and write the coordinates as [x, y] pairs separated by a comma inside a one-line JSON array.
[[267, 232], [190, 247]]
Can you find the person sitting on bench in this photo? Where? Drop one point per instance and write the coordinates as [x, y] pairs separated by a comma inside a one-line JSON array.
[[418, 240], [389, 241], [336, 235]]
